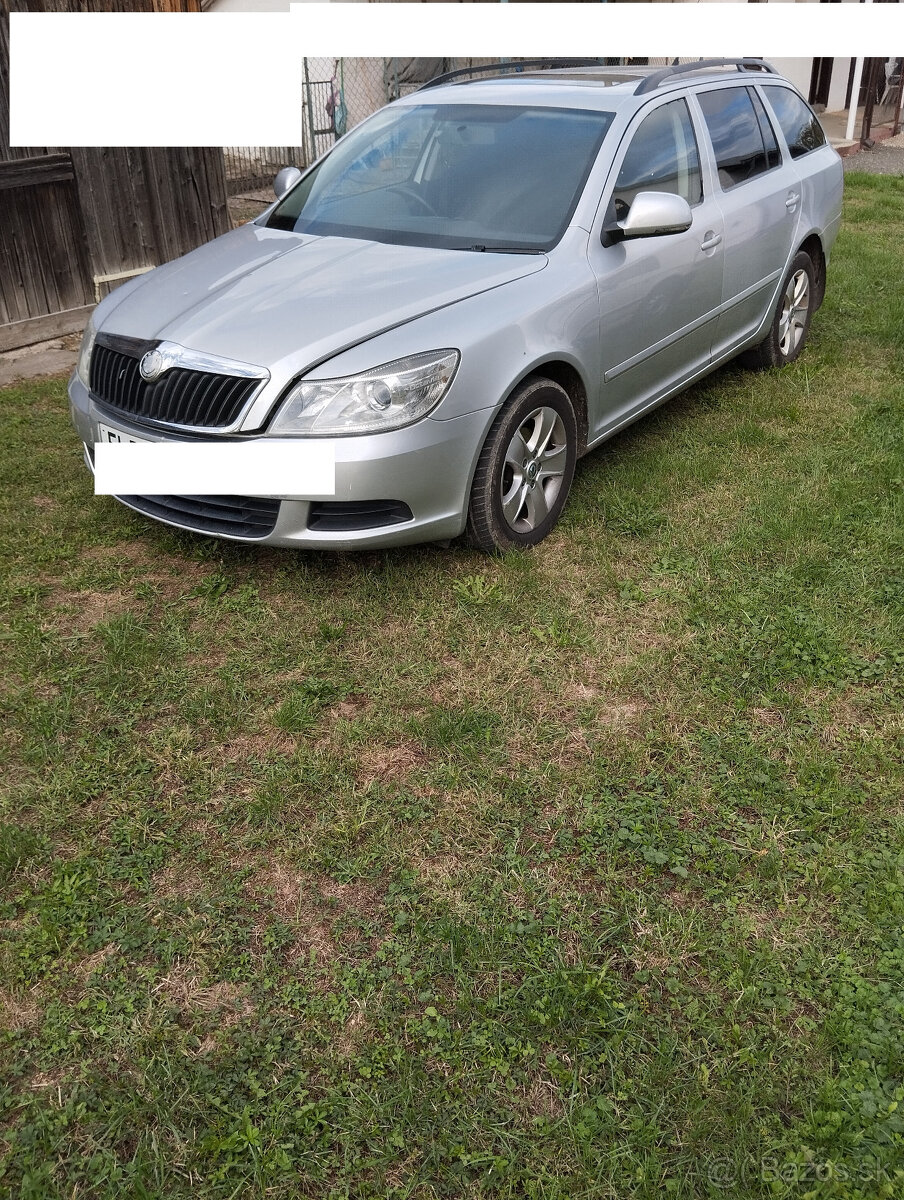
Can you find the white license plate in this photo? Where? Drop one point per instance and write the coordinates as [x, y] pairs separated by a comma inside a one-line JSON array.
[[106, 433]]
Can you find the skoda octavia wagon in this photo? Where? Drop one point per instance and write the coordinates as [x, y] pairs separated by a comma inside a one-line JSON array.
[[473, 288]]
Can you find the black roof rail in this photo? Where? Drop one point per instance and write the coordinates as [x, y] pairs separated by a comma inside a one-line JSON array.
[[651, 82], [516, 65]]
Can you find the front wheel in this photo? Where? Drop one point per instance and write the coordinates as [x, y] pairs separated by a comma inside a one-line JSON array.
[[525, 469], [791, 320]]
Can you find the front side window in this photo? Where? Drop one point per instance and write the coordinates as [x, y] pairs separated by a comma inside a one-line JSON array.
[[462, 176], [736, 135], [662, 157], [799, 124]]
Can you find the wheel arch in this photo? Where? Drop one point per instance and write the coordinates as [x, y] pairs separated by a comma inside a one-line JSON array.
[[569, 378], [812, 246]]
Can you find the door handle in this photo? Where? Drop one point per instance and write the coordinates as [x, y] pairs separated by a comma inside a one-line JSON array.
[[791, 202], [711, 241]]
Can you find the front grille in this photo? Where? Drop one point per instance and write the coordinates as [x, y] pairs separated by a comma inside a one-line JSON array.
[[232, 516], [179, 397], [334, 516]]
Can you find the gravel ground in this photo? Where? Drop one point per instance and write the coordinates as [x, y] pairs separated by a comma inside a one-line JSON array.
[[885, 158]]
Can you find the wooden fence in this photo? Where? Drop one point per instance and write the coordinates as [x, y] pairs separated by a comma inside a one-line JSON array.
[[78, 221], [104, 5]]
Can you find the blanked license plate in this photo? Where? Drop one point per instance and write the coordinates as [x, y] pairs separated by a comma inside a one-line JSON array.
[[106, 433]]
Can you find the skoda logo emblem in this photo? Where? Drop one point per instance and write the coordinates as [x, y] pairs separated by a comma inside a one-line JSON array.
[[152, 365]]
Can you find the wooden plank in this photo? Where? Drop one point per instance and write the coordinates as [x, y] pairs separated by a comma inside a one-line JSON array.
[[41, 329], [33, 171], [68, 264], [43, 257], [4, 85]]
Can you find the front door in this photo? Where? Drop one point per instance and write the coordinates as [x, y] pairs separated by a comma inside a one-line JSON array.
[[659, 296]]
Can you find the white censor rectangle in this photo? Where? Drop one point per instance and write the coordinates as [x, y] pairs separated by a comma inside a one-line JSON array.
[[265, 468]]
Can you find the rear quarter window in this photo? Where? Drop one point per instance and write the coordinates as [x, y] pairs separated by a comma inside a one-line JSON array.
[[798, 122]]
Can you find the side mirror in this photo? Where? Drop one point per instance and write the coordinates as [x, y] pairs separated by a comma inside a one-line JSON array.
[[655, 213], [651, 214], [285, 181]]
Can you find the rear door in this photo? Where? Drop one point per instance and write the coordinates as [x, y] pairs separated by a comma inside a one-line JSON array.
[[759, 196], [817, 166], [659, 296]]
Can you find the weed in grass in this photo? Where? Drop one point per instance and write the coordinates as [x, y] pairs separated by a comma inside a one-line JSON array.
[[634, 516], [475, 590], [300, 710]]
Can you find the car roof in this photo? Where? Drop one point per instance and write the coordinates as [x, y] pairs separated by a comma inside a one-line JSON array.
[[598, 88]]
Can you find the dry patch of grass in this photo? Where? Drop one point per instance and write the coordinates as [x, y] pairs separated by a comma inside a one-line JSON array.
[[19, 1013], [543, 1099], [227, 1001], [86, 968], [259, 745], [312, 906], [84, 611], [383, 763]]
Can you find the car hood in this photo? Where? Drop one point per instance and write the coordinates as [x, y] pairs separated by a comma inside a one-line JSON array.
[[266, 297]]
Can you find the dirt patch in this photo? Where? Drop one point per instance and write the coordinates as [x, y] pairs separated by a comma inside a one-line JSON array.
[[43, 1080], [679, 898], [351, 707], [171, 574], [783, 929], [440, 868]]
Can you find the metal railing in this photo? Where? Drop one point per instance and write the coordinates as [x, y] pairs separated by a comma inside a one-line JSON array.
[[252, 168]]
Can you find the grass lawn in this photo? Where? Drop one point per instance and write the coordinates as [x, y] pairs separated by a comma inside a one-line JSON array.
[[574, 874]]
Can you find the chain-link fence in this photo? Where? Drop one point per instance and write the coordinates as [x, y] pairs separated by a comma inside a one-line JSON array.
[[339, 93]]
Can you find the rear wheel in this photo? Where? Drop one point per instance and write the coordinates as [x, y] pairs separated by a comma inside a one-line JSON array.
[[791, 320], [525, 469]]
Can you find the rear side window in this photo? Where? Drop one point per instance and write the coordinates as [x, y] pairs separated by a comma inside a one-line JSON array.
[[736, 135], [662, 157], [800, 126]]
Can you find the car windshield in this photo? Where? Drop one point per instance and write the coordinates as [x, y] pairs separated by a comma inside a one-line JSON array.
[[460, 176]]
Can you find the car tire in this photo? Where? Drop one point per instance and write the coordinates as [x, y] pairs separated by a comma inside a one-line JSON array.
[[791, 321], [525, 469]]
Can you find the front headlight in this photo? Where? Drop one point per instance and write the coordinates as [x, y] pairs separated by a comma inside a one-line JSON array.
[[83, 366], [387, 397]]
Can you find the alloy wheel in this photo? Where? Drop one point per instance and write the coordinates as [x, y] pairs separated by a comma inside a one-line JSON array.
[[534, 467], [793, 319]]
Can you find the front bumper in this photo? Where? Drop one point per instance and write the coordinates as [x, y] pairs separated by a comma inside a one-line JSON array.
[[427, 466]]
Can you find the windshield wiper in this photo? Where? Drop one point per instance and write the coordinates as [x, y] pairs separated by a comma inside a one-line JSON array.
[[480, 248]]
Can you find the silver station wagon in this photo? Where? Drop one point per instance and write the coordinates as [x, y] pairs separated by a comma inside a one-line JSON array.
[[475, 287]]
